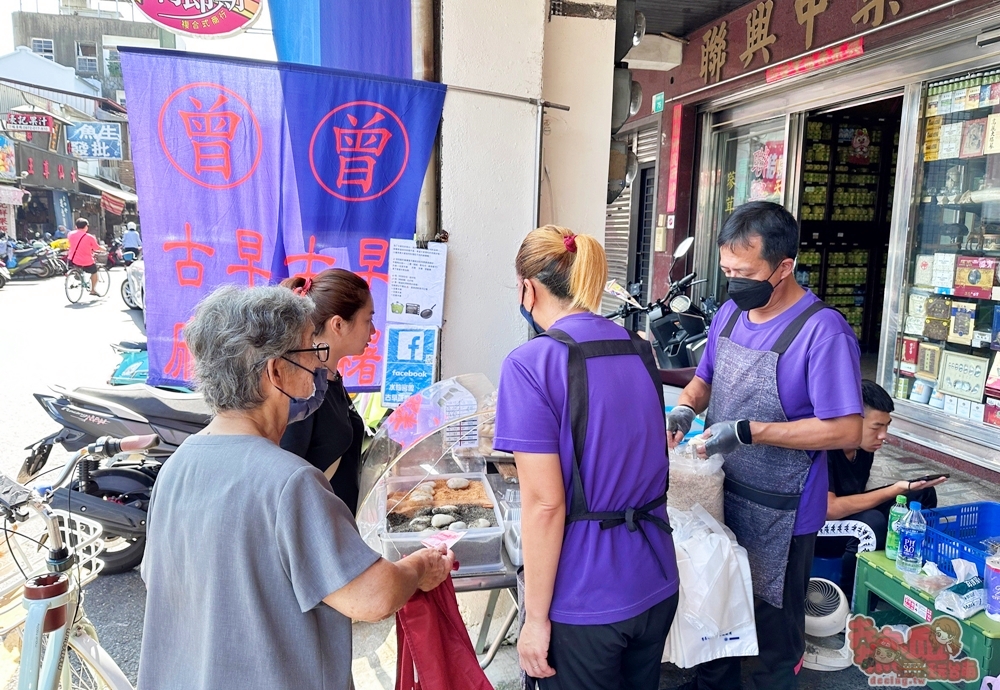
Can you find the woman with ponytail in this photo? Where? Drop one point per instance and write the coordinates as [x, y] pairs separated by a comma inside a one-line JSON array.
[[581, 409], [330, 437]]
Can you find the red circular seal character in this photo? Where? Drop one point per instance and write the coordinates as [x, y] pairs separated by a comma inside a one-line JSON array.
[[210, 135], [359, 151]]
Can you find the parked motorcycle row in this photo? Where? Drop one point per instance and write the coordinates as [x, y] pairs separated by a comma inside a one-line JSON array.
[[31, 260]]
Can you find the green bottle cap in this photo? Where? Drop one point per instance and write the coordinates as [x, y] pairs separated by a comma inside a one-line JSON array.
[[901, 500]]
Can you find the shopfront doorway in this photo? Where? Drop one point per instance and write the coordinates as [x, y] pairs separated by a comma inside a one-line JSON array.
[[848, 169]]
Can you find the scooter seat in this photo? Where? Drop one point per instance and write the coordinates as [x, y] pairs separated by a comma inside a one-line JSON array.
[[152, 402]]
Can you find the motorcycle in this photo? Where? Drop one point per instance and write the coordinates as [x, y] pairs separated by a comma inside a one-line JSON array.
[[679, 329], [29, 261], [4, 275], [134, 285], [115, 494]]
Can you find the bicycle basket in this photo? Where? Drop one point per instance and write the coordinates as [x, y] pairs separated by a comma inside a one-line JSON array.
[[21, 549], [101, 257]]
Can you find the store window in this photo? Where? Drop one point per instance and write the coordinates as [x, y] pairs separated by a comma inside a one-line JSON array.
[[751, 163], [949, 325], [44, 47], [848, 172], [86, 56], [112, 63]]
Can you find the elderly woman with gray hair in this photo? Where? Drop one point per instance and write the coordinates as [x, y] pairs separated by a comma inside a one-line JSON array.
[[253, 567]]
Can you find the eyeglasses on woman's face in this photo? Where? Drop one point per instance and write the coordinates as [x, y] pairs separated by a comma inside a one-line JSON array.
[[322, 351]]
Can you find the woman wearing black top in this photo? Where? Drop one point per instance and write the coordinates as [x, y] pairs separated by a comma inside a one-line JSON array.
[[330, 439]]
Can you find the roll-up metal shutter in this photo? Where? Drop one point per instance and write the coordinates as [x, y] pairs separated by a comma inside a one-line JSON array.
[[618, 230], [648, 145], [616, 239]]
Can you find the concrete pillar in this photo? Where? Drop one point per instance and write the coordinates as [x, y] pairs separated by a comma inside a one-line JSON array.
[[577, 71], [487, 169]]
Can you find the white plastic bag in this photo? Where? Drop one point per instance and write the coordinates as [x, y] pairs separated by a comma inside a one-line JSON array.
[[967, 597], [715, 616], [694, 480]]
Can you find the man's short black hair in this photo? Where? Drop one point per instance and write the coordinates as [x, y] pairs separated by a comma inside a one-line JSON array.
[[776, 227], [875, 397], [81, 223]]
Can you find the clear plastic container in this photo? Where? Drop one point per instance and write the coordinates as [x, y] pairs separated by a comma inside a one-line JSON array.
[[478, 551], [512, 542]]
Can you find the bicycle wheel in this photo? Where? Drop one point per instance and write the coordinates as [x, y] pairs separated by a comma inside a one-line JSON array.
[[103, 281], [74, 286]]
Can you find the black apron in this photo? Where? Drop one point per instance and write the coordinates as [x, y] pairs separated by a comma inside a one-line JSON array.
[[763, 484], [579, 414]]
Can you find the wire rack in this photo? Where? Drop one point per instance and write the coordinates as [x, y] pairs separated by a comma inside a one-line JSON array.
[[20, 547]]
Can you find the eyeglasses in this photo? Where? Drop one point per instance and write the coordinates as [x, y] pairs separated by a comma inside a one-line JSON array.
[[322, 351]]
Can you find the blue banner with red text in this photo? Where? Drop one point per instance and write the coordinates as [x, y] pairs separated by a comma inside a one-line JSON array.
[[249, 172]]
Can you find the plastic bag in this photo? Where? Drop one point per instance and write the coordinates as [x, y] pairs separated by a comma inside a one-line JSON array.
[[694, 480], [715, 612], [968, 597], [930, 579]]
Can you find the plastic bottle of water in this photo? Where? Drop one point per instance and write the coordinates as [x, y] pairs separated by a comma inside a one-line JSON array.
[[911, 540], [892, 534]]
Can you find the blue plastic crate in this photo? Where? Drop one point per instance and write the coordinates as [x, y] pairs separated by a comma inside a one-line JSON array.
[[958, 532]]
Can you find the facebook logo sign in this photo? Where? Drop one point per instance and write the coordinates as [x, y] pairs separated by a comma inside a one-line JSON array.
[[410, 362], [410, 347]]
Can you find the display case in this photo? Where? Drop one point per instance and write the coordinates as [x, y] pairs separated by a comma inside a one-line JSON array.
[[948, 324], [425, 470]]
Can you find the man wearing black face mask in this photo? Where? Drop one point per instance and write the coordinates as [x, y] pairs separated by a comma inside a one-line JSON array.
[[781, 384]]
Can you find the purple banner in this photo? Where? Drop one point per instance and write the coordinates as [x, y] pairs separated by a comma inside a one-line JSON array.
[[249, 172]]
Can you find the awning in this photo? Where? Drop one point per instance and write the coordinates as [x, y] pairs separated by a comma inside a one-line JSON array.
[[110, 190]]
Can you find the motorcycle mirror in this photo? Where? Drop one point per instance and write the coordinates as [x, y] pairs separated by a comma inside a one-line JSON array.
[[683, 247]]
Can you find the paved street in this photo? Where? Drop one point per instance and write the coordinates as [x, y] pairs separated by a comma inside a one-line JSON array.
[[47, 340]]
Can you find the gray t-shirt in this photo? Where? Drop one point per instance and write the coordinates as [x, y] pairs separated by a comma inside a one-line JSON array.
[[243, 543]]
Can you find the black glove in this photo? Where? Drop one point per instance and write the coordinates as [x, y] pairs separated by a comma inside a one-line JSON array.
[[680, 419], [727, 437]]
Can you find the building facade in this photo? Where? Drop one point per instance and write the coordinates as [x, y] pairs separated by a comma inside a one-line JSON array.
[[869, 121], [85, 41]]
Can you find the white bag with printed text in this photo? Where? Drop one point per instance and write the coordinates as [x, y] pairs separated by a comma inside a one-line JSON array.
[[715, 616]]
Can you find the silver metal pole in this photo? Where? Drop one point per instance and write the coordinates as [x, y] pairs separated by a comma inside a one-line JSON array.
[[538, 161], [422, 57]]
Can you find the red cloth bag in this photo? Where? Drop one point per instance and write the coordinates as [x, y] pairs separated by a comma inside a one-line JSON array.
[[434, 651]]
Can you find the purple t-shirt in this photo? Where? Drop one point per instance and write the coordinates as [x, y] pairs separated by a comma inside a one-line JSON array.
[[604, 576], [818, 376]]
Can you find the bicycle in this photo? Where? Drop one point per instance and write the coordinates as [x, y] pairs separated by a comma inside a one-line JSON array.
[[77, 281], [59, 646]]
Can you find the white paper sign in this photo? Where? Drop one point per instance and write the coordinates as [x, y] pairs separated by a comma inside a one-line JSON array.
[[416, 283]]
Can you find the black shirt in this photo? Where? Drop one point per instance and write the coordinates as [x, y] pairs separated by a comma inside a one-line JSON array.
[[334, 431], [849, 477]]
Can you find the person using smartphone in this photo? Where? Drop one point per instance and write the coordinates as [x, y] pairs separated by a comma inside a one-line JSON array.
[[849, 471]]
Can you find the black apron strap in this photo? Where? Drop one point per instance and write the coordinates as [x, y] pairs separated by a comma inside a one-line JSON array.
[[727, 330], [795, 327], [578, 391], [645, 351], [764, 498]]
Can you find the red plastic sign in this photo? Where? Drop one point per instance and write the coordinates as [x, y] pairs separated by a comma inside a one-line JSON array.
[[202, 18]]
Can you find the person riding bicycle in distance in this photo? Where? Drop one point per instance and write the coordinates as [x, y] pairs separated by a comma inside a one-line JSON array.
[[82, 246]]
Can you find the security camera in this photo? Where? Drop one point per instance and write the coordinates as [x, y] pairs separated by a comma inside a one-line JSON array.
[[24, 174]]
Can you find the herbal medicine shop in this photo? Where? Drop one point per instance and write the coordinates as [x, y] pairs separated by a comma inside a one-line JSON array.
[[877, 124]]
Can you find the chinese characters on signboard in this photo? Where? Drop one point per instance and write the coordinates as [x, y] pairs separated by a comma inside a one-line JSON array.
[[714, 46], [203, 18], [95, 140], [28, 122], [259, 187]]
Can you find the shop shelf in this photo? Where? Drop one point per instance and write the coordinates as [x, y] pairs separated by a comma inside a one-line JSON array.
[[958, 532]]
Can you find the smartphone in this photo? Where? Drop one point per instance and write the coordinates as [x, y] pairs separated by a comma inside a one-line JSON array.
[[930, 477]]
